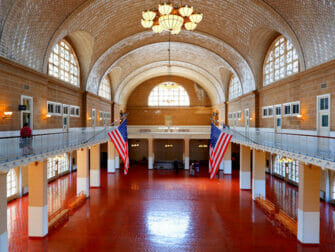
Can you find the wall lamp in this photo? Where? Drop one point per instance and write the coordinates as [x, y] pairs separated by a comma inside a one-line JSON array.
[[7, 114]]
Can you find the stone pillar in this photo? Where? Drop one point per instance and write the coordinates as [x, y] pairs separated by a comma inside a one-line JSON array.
[[221, 167], [258, 176], [309, 204], [117, 160], [150, 153], [245, 175], [187, 153], [328, 186], [3, 211], [95, 166], [111, 157], [20, 186], [227, 164], [82, 172], [38, 199]]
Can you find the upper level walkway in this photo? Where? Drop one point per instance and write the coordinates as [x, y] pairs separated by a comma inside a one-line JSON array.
[[316, 150], [15, 151], [312, 149]]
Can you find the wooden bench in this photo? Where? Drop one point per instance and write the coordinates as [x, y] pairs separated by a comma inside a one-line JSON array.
[[58, 219], [77, 202], [268, 207], [287, 222]]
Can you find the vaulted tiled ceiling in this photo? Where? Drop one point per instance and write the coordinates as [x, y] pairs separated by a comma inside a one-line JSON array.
[[238, 31]]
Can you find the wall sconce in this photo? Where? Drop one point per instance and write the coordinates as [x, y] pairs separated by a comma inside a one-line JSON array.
[[48, 116], [300, 117], [7, 114]]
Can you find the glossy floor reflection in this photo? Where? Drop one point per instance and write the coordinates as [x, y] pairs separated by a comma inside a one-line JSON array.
[[163, 211]]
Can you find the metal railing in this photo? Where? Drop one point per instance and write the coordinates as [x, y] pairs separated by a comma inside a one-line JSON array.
[[14, 148], [308, 145]]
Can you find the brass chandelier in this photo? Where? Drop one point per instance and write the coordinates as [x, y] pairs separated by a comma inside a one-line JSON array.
[[170, 18]]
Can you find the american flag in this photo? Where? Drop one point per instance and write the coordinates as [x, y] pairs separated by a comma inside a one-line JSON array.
[[217, 148], [119, 137]]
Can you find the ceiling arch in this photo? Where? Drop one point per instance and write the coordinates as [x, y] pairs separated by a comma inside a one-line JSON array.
[[28, 29], [182, 69], [221, 53]]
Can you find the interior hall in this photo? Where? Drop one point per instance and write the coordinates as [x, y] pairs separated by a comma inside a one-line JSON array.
[[167, 125]]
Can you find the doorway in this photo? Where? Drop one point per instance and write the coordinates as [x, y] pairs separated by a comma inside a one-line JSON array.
[[27, 115]]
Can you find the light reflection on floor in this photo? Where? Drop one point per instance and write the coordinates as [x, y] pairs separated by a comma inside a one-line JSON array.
[[167, 227]]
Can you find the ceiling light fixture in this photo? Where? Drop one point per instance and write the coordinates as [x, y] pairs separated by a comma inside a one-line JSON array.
[[172, 19]]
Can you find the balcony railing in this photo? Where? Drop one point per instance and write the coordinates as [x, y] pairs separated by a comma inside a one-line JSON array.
[[15, 148], [313, 146]]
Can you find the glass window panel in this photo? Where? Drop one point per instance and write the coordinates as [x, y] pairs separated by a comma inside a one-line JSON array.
[[64, 63], [324, 121], [284, 58], [11, 183]]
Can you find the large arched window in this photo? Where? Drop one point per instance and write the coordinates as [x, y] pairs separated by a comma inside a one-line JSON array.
[[11, 183], [169, 94], [105, 89], [235, 88], [281, 61], [63, 63]]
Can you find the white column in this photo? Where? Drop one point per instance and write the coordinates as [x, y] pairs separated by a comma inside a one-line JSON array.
[[309, 204], [327, 192], [187, 153], [3, 212], [38, 201], [227, 161], [221, 168], [95, 166], [245, 175], [20, 189], [150, 153], [258, 178], [82, 172], [111, 157], [117, 161]]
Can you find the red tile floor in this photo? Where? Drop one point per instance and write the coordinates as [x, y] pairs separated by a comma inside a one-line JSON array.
[[163, 211]]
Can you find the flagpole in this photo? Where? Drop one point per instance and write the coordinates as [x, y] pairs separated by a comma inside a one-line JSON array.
[[234, 131]]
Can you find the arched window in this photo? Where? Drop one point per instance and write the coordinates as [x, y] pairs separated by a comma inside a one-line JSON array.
[[235, 88], [281, 61], [105, 89], [169, 94], [63, 63], [11, 183]]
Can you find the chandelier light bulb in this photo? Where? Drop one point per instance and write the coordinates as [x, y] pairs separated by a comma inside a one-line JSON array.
[[196, 18], [147, 23], [186, 11], [165, 8], [176, 31], [148, 15], [190, 26], [171, 22], [157, 28]]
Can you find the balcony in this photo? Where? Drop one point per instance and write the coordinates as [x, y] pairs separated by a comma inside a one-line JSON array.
[[15, 152]]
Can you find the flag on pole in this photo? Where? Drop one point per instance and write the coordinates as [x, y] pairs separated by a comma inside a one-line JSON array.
[[217, 148], [119, 137]]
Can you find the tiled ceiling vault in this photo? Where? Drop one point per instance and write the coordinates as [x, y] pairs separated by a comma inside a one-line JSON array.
[[105, 33]]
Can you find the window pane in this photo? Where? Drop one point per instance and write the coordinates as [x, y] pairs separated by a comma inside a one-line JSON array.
[[324, 121], [62, 63], [285, 59]]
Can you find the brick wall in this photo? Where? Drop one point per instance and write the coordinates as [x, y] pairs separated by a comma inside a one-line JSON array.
[[141, 114], [303, 87], [16, 80]]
